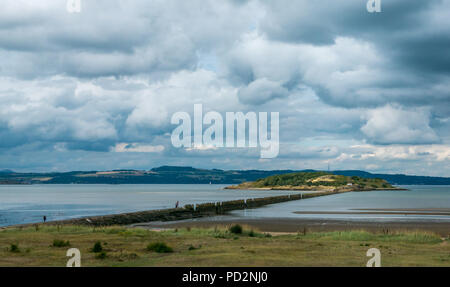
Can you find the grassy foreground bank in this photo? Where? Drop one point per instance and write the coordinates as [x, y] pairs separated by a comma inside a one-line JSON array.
[[120, 246]]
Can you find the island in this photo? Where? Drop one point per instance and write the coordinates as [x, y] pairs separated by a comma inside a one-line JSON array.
[[317, 180]]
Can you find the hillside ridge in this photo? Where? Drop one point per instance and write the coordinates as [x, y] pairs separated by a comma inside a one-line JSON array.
[[190, 175]]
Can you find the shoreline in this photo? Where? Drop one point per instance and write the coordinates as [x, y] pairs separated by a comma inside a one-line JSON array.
[[303, 188]]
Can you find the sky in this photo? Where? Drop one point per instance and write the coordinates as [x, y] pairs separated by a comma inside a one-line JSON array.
[[96, 90]]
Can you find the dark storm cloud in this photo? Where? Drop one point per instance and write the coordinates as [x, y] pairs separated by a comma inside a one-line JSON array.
[[320, 22], [354, 59], [414, 37]]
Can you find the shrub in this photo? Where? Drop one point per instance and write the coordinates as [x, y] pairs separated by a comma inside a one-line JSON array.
[[14, 248], [60, 243], [97, 247], [159, 247], [251, 233], [236, 229]]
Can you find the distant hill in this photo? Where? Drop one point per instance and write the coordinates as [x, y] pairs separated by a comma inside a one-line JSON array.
[[191, 175]]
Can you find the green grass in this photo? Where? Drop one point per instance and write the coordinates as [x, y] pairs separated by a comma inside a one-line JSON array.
[[218, 247], [409, 237]]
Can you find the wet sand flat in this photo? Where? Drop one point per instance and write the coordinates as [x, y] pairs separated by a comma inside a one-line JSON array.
[[408, 209], [376, 212]]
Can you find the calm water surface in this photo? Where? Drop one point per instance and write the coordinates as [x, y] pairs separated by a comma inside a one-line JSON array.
[[417, 197], [29, 203]]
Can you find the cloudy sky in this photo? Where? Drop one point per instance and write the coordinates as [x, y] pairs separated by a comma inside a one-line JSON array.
[[96, 90]]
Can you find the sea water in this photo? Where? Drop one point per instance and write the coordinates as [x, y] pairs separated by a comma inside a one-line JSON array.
[[29, 203]]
